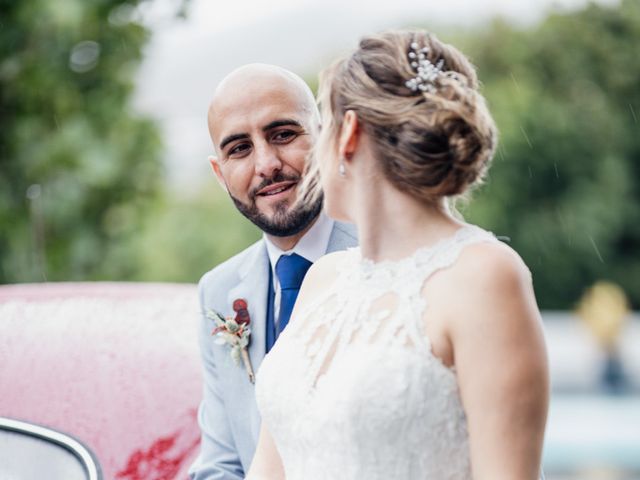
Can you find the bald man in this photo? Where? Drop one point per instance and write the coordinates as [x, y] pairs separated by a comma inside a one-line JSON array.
[[263, 122]]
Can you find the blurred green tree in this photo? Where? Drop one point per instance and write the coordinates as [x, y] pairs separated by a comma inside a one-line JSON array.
[[184, 237], [564, 185], [81, 193], [78, 170]]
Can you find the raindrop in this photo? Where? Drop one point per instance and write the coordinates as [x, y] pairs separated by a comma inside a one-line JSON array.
[[34, 191], [84, 56], [595, 247], [513, 77], [530, 172], [501, 153], [633, 112], [555, 166], [526, 136]]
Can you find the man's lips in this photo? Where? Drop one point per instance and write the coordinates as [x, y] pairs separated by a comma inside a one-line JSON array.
[[276, 188]]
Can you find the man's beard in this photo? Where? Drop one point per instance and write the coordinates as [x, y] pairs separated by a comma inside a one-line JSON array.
[[285, 222]]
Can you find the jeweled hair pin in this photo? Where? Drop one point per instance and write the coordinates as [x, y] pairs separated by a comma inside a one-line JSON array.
[[426, 72]]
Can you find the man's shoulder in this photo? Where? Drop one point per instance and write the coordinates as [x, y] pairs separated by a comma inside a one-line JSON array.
[[344, 236], [347, 229], [226, 273]]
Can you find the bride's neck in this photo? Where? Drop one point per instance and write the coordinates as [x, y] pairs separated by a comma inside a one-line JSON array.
[[392, 224]]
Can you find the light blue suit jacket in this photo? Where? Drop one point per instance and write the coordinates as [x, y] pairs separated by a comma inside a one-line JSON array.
[[228, 415]]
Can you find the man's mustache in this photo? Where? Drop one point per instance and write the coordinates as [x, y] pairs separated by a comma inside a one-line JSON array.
[[277, 178]]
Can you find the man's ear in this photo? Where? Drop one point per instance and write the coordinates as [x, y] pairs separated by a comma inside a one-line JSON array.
[[349, 135], [215, 165]]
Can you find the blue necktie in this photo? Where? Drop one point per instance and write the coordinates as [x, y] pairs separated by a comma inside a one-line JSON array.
[[291, 270]]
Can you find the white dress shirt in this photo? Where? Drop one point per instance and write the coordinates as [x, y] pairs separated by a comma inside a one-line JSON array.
[[311, 246]]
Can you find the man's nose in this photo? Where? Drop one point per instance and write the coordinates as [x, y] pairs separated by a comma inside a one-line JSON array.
[[267, 161]]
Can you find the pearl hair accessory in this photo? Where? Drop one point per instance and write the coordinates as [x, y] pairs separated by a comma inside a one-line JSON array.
[[427, 72]]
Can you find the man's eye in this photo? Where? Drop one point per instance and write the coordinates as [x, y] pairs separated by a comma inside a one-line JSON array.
[[239, 149], [284, 136]]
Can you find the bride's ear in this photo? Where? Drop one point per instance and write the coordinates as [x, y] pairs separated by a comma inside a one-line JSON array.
[[349, 135], [215, 165]]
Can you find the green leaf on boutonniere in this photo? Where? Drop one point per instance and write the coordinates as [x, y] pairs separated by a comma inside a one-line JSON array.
[[234, 332]]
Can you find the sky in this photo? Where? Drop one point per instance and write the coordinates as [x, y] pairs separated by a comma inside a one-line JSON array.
[[185, 59]]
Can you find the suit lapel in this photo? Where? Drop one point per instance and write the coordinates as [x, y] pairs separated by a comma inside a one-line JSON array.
[[254, 287]]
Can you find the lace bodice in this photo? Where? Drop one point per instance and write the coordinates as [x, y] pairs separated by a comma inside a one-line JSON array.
[[352, 390]]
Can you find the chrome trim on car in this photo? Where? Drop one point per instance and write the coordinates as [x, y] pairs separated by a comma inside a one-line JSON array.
[[69, 443]]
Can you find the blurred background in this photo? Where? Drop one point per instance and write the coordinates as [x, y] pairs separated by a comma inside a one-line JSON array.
[[104, 172]]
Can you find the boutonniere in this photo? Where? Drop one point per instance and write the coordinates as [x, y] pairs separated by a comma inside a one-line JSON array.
[[235, 332]]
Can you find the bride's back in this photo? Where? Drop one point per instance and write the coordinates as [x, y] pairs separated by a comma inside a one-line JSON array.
[[353, 389], [420, 354]]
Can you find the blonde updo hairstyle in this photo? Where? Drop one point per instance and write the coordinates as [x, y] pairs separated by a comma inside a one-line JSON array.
[[429, 144]]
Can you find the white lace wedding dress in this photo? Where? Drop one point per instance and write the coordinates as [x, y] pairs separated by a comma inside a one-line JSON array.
[[352, 390]]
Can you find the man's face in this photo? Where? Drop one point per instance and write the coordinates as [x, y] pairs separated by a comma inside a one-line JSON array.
[[263, 130]]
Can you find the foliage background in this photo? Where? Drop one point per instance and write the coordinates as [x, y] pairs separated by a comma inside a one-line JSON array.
[[83, 194], [79, 169], [564, 184]]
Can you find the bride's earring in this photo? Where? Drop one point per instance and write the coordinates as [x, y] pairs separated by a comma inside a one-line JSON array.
[[342, 170]]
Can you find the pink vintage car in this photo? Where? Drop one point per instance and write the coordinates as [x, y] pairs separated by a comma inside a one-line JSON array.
[[114, 366]]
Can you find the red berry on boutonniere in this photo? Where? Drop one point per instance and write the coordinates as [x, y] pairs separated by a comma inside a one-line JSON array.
[[242, 314]]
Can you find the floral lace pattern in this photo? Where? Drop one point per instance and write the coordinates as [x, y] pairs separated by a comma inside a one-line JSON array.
[[352, 389]]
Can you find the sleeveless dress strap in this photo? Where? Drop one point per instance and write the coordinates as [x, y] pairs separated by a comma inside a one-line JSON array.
[[429, 261]]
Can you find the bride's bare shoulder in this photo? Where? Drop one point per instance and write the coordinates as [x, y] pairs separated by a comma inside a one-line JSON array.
[[485, 268], [490, 283], [486, 275], [492, 263]]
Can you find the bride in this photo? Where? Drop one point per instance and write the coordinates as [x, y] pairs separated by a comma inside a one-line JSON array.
[[419, 355]]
